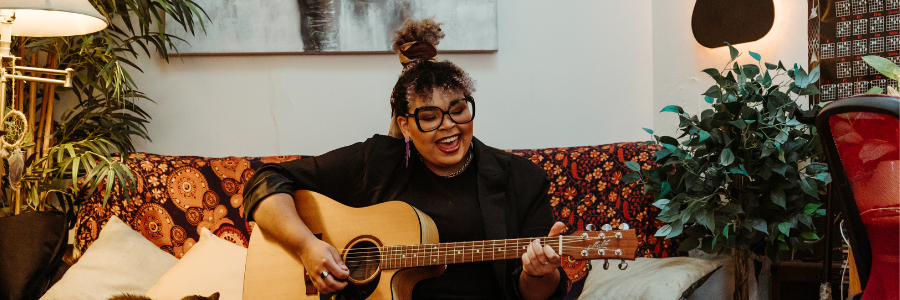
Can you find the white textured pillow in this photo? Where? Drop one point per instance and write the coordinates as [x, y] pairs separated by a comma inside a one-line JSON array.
[[646, 278], [212, 265], [120, 261]]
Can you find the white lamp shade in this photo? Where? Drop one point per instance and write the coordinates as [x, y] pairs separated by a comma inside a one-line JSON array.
[[43, 18]]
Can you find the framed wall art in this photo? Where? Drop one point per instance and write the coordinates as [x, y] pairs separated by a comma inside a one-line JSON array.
[[334, 26]]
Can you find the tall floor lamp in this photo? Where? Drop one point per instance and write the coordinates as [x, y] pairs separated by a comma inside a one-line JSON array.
[[40, 18]]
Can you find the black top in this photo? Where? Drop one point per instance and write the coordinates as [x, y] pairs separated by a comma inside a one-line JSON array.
[[510, 198], [452, 203]]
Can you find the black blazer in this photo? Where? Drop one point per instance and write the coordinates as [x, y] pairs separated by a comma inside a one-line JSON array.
[[512, 191]]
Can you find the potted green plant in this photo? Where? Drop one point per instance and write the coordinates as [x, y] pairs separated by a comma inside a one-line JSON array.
[[744, 176], [75, 153]]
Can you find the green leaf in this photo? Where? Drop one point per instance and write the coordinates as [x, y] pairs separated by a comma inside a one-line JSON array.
[[771, 66], [811, 208], [825, 178], [661, 203], [814, 75], [785, 228], [809, 235], [886, 67], [820, 212], [725, 230], [650, 131], [759, 224], [677, 227], [703, 135], [709, 99], [782, 137], [740, 124], [673, 108], [755, 55], [633, 165], [631, 177], [734, 52], [875, 90], [663, 231], [713, 91], [667, 140], [768, 148], [778, 197], [809, 187], [713, 73], [665, 189], [726, 158]]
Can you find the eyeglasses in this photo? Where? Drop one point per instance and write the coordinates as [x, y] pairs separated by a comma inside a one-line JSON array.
[[430, 118]]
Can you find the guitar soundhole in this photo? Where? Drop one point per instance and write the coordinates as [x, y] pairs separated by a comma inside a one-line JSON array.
[[363, 261]]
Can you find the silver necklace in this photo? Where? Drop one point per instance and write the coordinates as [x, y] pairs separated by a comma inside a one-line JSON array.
[[454, 174]]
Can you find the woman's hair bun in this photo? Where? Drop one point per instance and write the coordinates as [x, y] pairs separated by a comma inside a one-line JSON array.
[[425, 30]]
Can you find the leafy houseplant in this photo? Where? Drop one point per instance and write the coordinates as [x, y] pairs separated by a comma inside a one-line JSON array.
[[746, 175], [75, 153]]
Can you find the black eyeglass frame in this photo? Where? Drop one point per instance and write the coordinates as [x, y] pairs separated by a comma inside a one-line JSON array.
[[443, 113]]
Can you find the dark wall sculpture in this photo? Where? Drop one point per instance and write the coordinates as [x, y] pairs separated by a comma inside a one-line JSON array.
[[715, 22]]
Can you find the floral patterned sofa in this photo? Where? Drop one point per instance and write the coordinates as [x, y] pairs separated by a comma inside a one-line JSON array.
[[180, 195]]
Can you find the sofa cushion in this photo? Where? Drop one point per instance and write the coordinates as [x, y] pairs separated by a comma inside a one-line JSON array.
[[212, 266], [120, 261], [648, 278]]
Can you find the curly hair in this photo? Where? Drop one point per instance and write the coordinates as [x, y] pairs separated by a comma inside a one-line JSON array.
[[421, 76], [425, 30]]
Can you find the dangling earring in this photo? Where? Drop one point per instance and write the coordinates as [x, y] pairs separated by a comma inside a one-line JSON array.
[[407, 151]]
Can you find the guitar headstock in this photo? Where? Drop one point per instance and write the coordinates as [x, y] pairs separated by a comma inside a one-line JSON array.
[[603, 244]]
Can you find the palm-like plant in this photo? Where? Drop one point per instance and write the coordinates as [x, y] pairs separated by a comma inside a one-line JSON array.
[[77, 152]]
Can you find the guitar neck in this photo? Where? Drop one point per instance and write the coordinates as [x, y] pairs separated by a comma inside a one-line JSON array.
[[406, 256]]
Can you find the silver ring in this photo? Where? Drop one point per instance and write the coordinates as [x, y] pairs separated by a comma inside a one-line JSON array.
[[324, 274]]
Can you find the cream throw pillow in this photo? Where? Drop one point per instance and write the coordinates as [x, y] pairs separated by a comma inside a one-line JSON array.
[[646, 278], [120, 261], [212, 265]]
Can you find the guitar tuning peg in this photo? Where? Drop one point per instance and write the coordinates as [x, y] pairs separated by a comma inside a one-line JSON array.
[[606, 264], [589, 227], [601, 252], [623, 226], [606, 227], [584, 253], [589, 266], [618, 252], [618, 235], [623, 265]]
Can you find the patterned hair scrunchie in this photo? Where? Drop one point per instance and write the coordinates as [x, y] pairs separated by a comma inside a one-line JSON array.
[[415, 50]]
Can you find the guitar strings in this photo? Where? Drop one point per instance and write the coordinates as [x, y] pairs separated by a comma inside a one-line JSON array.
[[384, 251], [547, 241], [360, 257]]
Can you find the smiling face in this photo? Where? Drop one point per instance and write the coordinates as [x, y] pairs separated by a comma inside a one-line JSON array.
[[443, 150]]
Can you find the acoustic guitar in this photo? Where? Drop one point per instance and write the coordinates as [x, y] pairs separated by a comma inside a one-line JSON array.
[[389, 247]]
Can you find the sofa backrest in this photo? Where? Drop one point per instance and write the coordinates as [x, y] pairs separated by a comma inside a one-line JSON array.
[[179, 195]]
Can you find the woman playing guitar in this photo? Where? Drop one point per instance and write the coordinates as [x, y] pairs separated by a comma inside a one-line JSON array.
[[432, 162]]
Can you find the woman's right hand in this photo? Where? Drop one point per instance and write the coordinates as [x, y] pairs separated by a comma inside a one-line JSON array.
[[317, 257]]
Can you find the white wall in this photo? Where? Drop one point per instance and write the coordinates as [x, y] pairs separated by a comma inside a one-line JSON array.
[[566, 74], [579, 72], [678, 58]]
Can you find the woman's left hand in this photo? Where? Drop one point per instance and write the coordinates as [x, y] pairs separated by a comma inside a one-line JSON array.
[[541, 260]]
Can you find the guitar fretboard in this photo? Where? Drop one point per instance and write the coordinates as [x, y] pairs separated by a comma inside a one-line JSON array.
[[406, 256]]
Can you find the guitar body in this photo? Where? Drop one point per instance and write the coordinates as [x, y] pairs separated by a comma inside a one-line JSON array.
[[275, 273]]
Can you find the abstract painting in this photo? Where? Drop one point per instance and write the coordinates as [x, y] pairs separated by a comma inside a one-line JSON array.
[[334, 26]]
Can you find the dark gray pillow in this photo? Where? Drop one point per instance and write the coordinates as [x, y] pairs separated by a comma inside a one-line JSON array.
[[31, 248]]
